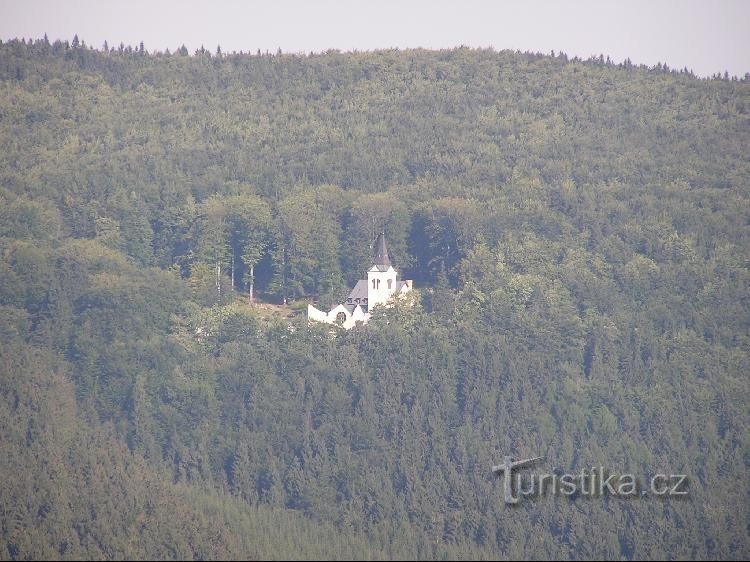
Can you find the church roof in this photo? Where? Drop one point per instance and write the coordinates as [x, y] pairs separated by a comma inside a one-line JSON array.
[[359, 291], [381, 252], [381, 268]]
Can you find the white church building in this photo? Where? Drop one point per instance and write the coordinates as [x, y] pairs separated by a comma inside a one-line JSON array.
[[381, 285]]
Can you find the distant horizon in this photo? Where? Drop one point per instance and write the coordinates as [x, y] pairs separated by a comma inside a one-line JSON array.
[[193, 52], [707, 38]]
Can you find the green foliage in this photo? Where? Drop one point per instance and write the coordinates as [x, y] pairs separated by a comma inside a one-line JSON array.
[[578, 232]]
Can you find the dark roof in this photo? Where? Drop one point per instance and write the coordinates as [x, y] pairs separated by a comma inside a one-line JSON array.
[[359, 291], [352, 307], [381, 267], [381, 252]]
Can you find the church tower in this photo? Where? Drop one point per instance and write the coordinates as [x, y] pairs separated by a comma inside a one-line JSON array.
[[381, 278], [381, 285]]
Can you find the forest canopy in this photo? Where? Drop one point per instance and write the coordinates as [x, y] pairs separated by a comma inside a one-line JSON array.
[[578, 233]]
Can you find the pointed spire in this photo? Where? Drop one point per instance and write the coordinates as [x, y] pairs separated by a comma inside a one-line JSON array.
[[381, 252]]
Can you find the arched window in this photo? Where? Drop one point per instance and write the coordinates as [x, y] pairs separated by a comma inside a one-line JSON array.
[[373, 283], [378, 282], [390, 283]]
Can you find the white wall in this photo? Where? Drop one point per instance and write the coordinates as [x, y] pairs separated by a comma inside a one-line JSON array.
[[380, 293]]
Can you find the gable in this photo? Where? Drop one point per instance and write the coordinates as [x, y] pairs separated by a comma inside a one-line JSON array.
[[381, 269]]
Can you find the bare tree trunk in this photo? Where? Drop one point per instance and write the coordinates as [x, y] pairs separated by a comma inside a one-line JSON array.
[[252, 282], [232, 270], [218, 280]]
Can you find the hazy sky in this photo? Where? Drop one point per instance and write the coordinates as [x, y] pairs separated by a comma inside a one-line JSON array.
[[707, 36]]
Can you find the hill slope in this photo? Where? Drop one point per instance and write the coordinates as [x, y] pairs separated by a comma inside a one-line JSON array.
[[579, 231]]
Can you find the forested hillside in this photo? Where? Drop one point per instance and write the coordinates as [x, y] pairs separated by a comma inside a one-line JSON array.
[[578, 232]]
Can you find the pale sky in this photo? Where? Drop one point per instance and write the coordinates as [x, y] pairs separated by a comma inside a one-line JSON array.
[[707, 36]]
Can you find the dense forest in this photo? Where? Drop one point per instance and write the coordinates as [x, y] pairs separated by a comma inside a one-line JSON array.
[[579, 236]]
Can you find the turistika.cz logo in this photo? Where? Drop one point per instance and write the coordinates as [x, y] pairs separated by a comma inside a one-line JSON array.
[[593, 482]]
